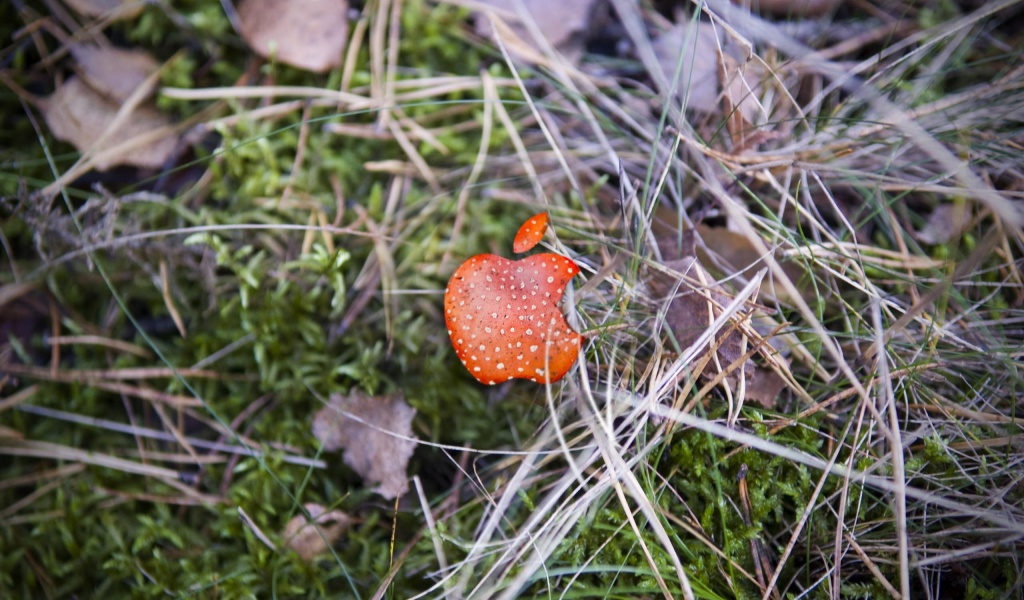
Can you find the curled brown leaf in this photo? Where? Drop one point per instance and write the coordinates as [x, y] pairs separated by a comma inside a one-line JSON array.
[[694, 301], [308, 34], [113, 72], [312, 537], [376, 434], [564, 23], [77, 114]]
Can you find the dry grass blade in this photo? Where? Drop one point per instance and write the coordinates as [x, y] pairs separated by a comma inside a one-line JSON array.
[[87, 375], [18, 397], [1012, 522], [117, 345], [58, 473], [65, 453], [250, 449], [144, 393], [892, 115]]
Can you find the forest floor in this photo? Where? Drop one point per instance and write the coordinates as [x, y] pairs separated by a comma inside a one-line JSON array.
[[796, 239]]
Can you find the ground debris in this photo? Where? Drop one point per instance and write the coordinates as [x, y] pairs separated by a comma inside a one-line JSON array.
[[376, 434], [308, 34], [79, 115], [691, 310], [311, 537]]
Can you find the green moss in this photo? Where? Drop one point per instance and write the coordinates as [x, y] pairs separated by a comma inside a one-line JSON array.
[[277, 310]]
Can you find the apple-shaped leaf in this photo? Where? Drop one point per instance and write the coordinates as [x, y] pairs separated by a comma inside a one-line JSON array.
[[503, 317]]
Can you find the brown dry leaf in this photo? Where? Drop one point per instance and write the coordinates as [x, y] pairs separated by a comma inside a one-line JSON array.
[[378, 445], [123, 9], [698, 82], [794, 9], [718, 77], [79, 115], [690, 313], [744, 113], [727, 253], [312, 538], [946, 223], [764, 386], [563, 23], [308, 34], [113, 72]]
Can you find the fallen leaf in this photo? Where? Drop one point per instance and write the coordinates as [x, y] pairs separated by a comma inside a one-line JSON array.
[[690, 312], [740, 104], [113, 72], [113, 9], [312, 538], [763, 386], [77, 114], [563, 23], [718, 76], [794, 9], [376, 434], [696, 45], [729, 253], [726, 253], [947, 222], [308, 34]]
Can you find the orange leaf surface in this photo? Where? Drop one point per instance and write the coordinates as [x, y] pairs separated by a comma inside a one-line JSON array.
[[530, 233], [503, 316]]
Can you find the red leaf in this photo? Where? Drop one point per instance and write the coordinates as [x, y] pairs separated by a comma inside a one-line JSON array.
[[530, 233]]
